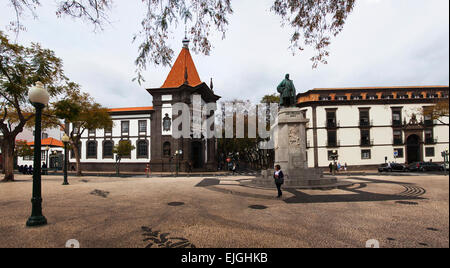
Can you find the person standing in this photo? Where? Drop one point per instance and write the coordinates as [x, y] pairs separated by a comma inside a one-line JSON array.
[[44, 169], [147, 170], [330, 166], [279, 179], [190, 166]]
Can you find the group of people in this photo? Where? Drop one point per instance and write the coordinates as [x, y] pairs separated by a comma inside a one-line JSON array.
[[337, 166], [28, 169], [228, 164]]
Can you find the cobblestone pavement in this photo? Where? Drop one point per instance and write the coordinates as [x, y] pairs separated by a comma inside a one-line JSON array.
[[398, 211]]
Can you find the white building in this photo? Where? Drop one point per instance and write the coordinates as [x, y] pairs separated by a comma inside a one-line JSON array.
[[131, 124], [52, 147], [368, 126]]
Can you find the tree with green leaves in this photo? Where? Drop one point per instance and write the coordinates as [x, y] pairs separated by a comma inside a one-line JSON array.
[[242, 149], [313, 23], [123, 149], [23, 149], [80, 111], [20, 68], [439, 112], [269, 99]]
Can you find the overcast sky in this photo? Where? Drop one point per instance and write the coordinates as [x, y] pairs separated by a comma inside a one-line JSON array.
[[384, 43]]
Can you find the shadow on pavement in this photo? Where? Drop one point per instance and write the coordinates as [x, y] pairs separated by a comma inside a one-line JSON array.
[[411, 192]]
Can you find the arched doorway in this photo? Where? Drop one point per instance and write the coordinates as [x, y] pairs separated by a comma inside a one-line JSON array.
[[413, 149]]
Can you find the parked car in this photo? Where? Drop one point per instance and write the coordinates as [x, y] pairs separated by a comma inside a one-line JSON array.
[[430, 166], [425, 166], [391, 167]]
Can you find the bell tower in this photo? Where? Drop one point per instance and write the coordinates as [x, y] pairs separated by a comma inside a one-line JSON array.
[[182, 85]]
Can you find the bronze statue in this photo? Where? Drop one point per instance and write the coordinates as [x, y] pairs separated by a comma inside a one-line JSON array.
[[287, 92]]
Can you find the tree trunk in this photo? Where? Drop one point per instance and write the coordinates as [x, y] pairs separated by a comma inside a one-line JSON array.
[[77, 159], [118, 168], [3, 159], [8, 158]]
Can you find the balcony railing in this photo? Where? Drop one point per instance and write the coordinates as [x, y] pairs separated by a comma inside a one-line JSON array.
[[365, 123], [397, 123], [333, 144], [366, 143], [330, 124], [430, 140], [397, 141]]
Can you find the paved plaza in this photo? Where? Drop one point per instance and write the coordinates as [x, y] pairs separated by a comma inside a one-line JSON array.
[[138, 212]]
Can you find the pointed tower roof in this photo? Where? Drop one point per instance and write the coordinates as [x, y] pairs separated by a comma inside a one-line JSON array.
[[183, 71]]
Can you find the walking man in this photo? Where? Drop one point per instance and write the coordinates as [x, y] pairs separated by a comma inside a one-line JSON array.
[[279, 179]]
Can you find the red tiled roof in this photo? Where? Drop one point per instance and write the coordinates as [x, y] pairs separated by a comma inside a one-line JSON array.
[[177, 77], [131, 109], [49, 142]]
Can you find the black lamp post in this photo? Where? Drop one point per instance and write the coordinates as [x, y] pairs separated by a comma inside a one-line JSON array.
[[47, 151], [39, 97], [445, 155], [178, 153], [65, 140], [335, 157]]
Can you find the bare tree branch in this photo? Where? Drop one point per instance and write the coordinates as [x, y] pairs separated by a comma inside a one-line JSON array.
[[314, 23]]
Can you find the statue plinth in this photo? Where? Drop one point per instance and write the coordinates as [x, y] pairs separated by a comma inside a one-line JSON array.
[[290, 154]]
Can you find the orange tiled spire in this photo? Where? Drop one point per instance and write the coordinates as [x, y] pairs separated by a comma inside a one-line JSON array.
[[183, 71]]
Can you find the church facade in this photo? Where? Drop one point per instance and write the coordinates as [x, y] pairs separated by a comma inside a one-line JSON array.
[[150, 129]]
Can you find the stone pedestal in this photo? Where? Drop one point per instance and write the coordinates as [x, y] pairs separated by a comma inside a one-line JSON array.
[[290, 154]]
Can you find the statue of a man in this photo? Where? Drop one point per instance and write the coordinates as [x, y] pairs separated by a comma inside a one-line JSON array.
[[287, 92]]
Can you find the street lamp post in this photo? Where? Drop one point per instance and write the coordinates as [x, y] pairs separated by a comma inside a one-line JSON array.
[[445, 155], [39, 97], [178, 153], [47, 150], [335, 157], [65, 140]]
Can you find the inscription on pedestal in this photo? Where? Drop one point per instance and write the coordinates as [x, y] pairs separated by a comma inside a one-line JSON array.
[[294, 138]]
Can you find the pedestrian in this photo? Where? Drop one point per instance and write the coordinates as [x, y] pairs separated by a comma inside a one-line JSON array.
[[147, 170], [279, 179], [339, 166], [330, 166], [44, 168], [234, 168], [345, 167], [25, 170], [190, 166], [30, 170]]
